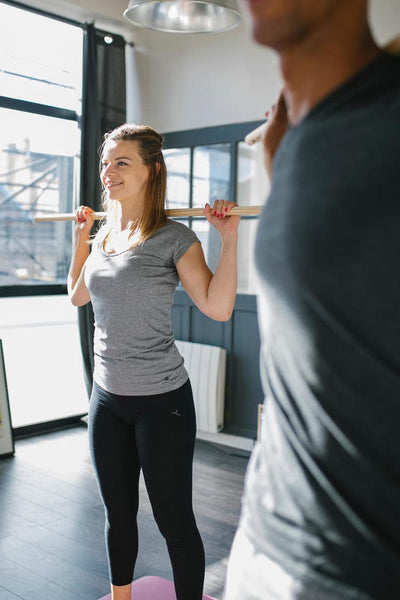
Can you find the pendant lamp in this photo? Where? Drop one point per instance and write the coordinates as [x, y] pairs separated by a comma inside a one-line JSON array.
[[184, 16]]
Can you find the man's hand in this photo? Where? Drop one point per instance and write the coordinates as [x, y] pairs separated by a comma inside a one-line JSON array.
[[276, 128]]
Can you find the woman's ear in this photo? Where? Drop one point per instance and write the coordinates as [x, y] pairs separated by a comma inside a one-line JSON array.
[[154, 170]]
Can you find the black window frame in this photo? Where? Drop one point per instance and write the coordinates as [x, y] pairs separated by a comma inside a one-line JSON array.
[[231, 134]]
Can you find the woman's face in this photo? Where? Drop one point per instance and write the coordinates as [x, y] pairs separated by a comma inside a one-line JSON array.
[[123, 172]]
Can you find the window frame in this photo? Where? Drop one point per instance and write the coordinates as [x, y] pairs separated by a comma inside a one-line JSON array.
[[231, 134]]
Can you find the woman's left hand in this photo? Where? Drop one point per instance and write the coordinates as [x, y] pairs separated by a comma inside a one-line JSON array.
[[218, 216]]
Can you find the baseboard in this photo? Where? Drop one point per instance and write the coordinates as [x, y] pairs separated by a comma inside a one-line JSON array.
[[226, 439], [47, 426]]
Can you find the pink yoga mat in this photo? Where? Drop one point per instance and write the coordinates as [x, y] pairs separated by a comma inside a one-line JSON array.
[[153, 588]]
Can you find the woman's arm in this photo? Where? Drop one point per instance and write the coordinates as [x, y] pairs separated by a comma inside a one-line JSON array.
[[77, 290], [214, 294]]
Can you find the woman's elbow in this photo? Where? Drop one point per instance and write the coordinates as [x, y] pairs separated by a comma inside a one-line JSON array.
[[77, 299], [226, 317], [76, 302], [215, 308], [80, 303], [220, 314]]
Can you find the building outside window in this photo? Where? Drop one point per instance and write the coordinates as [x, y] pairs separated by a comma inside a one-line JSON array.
[[40, 88]]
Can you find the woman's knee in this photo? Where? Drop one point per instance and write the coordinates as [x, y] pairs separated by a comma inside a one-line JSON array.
[[175, 525]]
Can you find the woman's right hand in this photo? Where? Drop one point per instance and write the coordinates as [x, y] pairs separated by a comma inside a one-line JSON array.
[[84, 220]]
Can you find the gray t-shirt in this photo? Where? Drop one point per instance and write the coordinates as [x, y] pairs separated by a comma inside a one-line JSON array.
[[132, 293], [323, 488]]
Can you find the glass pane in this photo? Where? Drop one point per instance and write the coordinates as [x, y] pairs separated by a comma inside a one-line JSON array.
[[177, 161], [37, 158], [253, 183], [252, 189], [41, 59], [211, 173], [210, 241], [43, 360], [247, 276]]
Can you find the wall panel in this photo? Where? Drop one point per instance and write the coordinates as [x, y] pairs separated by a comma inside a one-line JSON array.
[[239, 336]]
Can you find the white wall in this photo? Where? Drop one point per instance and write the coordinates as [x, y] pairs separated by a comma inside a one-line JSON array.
[[385, 19], [190, 81]]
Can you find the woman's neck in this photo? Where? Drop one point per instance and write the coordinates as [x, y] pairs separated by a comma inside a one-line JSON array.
[[128, 216]]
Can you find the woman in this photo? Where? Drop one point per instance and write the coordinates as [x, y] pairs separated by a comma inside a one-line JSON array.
[[141, 411]]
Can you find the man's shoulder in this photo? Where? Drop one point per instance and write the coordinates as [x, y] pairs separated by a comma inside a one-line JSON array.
[[371, 91]]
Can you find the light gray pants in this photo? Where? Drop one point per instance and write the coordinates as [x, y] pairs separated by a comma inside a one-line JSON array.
[[253, 576]]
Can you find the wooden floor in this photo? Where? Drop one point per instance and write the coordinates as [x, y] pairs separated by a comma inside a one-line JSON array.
[[52, 523]]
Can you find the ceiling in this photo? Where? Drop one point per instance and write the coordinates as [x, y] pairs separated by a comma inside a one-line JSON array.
[[105, 13]]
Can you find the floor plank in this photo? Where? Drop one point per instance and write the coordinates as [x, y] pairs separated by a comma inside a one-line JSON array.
[[52, 522]]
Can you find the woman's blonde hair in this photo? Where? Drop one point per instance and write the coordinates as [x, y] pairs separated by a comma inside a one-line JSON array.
[[153, 217]]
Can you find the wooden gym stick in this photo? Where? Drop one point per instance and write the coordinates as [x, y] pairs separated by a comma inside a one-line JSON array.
[[248, 211]]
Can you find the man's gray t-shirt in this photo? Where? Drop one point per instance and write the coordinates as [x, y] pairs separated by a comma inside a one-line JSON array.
[[323, 489], [132, 293]]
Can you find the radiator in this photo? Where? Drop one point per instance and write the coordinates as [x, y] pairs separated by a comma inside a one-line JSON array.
[[206, 366]]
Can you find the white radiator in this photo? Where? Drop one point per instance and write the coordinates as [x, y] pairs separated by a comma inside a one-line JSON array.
[[206, 366]]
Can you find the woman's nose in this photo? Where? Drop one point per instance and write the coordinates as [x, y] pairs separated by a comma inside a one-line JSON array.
[[107, 170]]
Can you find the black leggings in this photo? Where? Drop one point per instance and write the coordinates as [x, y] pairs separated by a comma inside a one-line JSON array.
[[155, 434]]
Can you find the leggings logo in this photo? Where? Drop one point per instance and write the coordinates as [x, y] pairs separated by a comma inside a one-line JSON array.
[[176, 412]]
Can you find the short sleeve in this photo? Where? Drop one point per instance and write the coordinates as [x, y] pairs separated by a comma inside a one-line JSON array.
[[183, 239]]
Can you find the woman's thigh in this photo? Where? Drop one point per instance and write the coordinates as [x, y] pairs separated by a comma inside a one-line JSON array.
[[165, 440], [114, 454]]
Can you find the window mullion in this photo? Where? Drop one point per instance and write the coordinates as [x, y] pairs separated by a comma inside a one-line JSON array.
[[191, 183], [39, 109], [233, 172]]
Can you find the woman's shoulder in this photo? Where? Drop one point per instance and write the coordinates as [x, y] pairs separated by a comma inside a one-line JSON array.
[[176, 228], [176, 237], [177, 225]]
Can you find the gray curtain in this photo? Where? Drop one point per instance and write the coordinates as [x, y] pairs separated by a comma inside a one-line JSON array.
[[103, 108]]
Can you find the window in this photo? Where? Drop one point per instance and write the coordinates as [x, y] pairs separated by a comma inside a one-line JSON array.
[[40, 88], [40, 98], [214, 163]]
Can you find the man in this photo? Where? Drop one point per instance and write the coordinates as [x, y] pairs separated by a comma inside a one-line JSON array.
[[321, 510]]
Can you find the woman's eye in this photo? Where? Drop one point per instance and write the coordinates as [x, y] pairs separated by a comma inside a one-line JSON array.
[[121, 163]]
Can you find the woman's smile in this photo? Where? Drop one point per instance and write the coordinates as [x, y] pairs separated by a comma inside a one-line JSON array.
[[112, 184]]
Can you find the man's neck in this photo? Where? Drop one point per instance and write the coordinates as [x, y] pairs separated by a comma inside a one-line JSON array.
[[321, 63]]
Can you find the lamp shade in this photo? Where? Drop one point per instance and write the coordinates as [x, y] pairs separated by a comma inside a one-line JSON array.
[[184, 16]]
